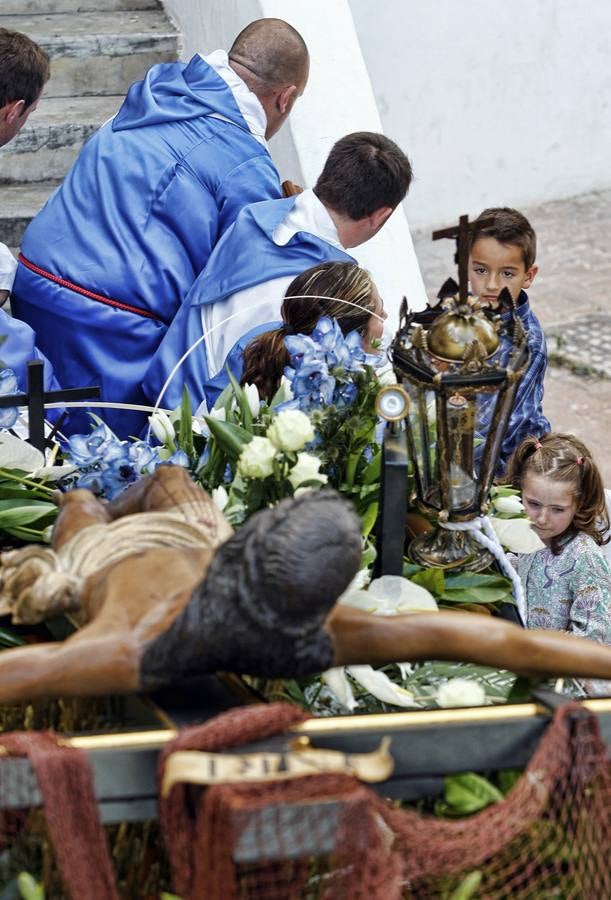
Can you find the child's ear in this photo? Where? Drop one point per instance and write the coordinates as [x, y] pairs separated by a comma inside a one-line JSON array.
[[530, 276]]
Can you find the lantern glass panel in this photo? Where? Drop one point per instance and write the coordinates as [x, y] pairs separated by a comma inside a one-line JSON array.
[[422, 423], [462, 477]]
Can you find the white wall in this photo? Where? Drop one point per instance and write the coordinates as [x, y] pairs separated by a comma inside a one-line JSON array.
[[338, 100], [496, 102]]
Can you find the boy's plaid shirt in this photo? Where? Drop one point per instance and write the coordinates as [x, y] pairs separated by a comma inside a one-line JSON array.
[[527, 415]]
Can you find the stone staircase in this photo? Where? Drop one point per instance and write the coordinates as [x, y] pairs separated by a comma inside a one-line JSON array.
[[95, 56]]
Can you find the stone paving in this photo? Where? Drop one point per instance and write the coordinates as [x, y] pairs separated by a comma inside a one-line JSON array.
[[571, 297]]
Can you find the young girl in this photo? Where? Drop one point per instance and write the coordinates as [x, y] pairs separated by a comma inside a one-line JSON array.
[[320, 291], [567, 583]]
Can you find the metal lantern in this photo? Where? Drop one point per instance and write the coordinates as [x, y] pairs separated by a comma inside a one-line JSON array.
[[451, 371]]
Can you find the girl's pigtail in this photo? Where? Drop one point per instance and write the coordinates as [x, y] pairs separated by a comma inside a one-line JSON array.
[[265, 358]]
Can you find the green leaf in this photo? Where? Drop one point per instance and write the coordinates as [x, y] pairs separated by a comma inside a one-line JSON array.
[[476, 595], [185, 428], [521, 691], [508, 778], [468, 886], [8, 639], [240, 396], [29, 887], [22, 512], [468, 793], [372, 471], [431, 579], [477, 579], [230, 436], [369, 518], [410, 569]]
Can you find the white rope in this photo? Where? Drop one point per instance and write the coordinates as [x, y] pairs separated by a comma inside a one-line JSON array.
[[483, 532], [241, 312]]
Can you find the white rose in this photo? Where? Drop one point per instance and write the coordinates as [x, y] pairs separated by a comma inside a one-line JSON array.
[[256, 458], [511, 505], [461, 692], [252, 396], [306, 469], [291, 430], [220, 497]]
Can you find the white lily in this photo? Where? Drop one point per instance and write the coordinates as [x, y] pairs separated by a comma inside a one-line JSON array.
[[220, 497], [380, 685], [220, 413], [516, 535], [252, 396], [391, 595], [461, 692], [162, 428], [18, 454], [338, 684], [510, 505]]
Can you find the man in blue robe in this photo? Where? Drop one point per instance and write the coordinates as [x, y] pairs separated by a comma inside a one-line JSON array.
[[106, 264], [239, 293], [24, 71]]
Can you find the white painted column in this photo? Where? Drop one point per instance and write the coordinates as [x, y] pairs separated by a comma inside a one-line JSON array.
[[339, 99]]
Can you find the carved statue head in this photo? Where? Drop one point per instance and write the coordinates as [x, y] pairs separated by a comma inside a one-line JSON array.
[[262, 605]]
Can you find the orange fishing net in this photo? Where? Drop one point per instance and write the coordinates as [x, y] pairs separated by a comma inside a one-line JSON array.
[[327, 836]]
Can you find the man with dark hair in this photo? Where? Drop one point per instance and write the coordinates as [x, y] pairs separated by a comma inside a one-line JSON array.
[[239, 293], [24, 71], [107, 262]]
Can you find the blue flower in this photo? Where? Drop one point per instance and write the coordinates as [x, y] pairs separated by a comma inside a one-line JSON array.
[[179, 458], [8, 385], [89, 449], [345, 394], [143, 457], [313, 384], [301, 348]]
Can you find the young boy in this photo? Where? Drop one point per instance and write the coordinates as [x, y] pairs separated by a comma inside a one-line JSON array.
[[503, 255]]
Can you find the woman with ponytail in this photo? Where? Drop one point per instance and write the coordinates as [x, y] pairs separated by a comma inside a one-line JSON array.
[[567, 583], [340, 290]]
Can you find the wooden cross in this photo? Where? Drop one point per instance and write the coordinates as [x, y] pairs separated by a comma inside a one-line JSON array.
[[35, 399], [461, 233]]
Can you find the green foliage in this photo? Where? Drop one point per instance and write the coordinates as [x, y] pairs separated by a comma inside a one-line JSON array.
[[29, 888], [467, 793], [26, 507], [467, 887]]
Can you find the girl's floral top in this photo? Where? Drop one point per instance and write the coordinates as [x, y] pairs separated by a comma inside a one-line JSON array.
[[570, 592]]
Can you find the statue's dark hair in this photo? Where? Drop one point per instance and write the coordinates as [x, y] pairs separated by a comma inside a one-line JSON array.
[[262, 605]]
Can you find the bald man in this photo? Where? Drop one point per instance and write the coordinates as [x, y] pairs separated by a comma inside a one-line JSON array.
[[105, 265]]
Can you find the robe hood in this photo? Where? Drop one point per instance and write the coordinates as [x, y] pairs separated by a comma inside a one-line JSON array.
[[172, 92]]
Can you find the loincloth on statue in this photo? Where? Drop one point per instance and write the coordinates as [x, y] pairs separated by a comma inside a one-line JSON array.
[[37, 582]]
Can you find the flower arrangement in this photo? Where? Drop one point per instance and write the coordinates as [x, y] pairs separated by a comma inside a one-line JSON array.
[[319, 429]]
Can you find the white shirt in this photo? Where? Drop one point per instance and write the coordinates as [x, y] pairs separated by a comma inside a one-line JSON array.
[[248, 103], [225, 322], [8, 267]]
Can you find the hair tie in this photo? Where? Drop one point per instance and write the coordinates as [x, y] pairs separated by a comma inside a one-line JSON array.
[[579, 460], [538, 445]]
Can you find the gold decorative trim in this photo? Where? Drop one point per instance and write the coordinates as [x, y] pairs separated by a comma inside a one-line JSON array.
[[336, 724], [417, 719]]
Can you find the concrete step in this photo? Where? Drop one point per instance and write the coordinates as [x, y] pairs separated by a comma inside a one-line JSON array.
[[98, 53], [40, 7], [20, 203], [52, 137]]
